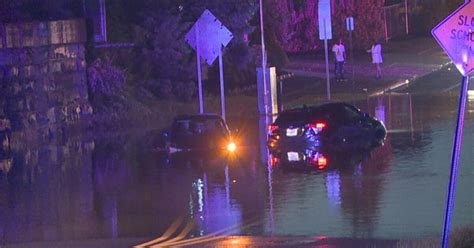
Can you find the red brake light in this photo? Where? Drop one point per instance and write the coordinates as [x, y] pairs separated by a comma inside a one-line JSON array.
[[274, 161], [320, 161], [320, 125], [272, 128], [317, 127]]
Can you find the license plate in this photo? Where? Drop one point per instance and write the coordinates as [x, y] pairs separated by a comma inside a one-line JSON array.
[[293, 156], [290, 132]]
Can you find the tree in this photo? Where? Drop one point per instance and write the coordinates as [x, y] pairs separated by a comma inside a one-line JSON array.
[[162, 50], [161, 58], [33, 10], [293, 24], [105, 79]]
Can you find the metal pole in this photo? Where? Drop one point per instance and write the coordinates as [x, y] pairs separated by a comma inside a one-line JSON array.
[[198, 60], [352, 55], [328, 86], [221, 76], [385, 23], [264, 70], [281, 95], [103, 21], [455, 161], [406, 16]]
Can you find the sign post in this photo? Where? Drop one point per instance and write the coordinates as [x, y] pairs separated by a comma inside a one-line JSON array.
[[455, 35], [199, 72], [350, 28], [208, 36], [325, 33], [221, 78]]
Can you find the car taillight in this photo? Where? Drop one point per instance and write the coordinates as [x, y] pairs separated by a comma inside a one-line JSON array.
[[317, 127], [320, 161], [274, 161], [320, 125], [272, 129]]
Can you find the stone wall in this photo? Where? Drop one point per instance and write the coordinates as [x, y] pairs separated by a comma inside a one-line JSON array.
[[43, 74]]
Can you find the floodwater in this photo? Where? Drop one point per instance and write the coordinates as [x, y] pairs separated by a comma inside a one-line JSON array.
[[124, 188]]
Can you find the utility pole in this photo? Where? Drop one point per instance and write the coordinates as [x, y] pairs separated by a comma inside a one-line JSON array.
[[264, 61]]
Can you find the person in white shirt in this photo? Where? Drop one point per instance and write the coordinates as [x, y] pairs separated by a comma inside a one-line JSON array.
[[340, 55], [377, 60]]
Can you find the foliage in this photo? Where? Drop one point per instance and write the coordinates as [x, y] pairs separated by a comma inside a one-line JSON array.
[[428, 15], [165, 89], [235, 15], [104, 78], [295, 22], [162, 52], [234, 76], [33, 10], [293, 25], [185, 91], [368, 18], [273, 32]]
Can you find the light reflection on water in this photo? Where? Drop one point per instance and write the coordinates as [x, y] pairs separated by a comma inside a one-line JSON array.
[[122, 188]]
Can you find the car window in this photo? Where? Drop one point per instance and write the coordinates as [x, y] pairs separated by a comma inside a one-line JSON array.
[[339, 113], [351, 113], [291, 117], [190, 126], [214, 125], [181, 126]]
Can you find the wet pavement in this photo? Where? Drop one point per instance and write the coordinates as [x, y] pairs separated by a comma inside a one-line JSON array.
[[123, 189]]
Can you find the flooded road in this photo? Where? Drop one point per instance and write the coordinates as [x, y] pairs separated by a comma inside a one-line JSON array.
[[124, 188]]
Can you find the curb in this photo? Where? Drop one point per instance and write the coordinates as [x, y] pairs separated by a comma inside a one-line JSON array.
[[405, 82]]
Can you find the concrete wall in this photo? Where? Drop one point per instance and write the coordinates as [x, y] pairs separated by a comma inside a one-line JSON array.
[[43, 81]]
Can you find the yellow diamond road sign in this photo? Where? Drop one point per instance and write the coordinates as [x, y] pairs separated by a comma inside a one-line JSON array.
[[208, 34], [455, 34]]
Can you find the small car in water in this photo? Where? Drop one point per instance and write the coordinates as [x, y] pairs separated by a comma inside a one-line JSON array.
[[199, 133], [303, 132]]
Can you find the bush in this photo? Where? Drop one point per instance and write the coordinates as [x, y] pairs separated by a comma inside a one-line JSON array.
[[104, 78], [165, 89], [185, 91]]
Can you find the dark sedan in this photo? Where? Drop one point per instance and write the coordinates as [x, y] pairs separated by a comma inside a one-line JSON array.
[[199, 133], [302, 133]]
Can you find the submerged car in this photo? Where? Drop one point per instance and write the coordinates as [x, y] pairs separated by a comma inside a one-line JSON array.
[[302, 132], [199, 133]]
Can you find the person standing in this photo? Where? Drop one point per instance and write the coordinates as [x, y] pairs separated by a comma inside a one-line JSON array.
[[377, 60], [340, 55]]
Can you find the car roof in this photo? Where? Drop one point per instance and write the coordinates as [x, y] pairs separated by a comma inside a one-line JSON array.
[[307, 111], [325, 106]]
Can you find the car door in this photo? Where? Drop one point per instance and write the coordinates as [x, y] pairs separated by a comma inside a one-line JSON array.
[[351, 132]]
